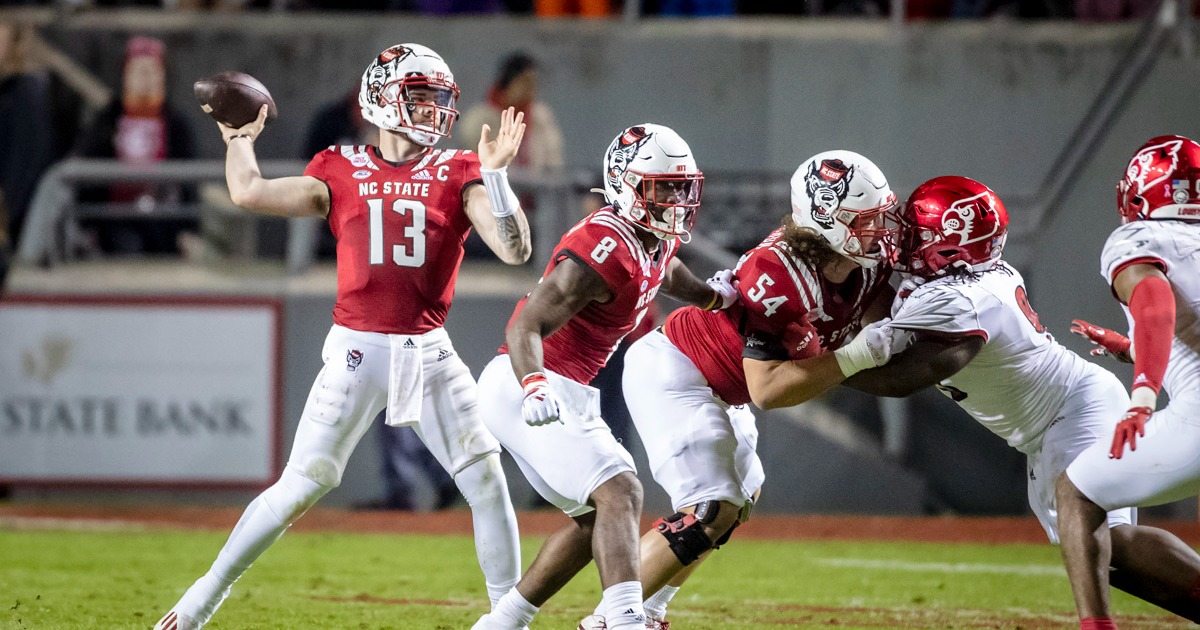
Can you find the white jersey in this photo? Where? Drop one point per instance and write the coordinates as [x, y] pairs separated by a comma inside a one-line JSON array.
[[1017, 384], [1174, 247]]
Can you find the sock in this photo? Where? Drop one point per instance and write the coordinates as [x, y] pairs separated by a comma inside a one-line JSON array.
[[497, 546], [656, 606], [513, 611], [1097, 623], [624, 606], [263, 522], [601, 608]]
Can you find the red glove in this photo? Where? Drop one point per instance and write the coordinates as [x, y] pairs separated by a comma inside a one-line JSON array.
[[1129, 429], [1108, 342]]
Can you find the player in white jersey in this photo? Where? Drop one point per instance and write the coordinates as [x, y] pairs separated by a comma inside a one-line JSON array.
[[979, 342], [1152, 263]]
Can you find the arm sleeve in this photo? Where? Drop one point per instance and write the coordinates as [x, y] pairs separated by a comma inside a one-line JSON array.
[[1152, 307]]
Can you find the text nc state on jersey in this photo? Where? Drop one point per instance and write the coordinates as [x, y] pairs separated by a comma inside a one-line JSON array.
[[407, 189]]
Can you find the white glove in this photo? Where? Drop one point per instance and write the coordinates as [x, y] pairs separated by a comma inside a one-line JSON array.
[[540, 406], [873, 347], [726, 286]]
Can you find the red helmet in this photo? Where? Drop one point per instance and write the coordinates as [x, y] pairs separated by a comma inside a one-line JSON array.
[[950, 221], [1162, 181]]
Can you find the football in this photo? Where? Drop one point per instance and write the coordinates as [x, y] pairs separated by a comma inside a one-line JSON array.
[[233, 98]]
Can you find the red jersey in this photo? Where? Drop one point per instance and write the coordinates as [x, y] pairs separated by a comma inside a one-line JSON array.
[[400, 230], [609, 245], [785, 311]]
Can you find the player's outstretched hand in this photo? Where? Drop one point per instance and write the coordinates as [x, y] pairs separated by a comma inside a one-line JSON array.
[[726, 286], [249, 130], [1107, 341], [1129, 429], [499, 152], [540, 406]]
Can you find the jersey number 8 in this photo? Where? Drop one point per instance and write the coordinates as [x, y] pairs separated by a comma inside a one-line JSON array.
[[413, 256]]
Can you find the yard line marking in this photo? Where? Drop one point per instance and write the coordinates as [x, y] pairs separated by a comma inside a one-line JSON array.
[[71, 524], [944, 567]]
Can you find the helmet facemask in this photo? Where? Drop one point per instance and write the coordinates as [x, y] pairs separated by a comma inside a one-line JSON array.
[[870, 234], [426, 106], [666, 204]]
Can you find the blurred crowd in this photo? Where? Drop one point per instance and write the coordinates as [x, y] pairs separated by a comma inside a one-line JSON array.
[[1090, 10]]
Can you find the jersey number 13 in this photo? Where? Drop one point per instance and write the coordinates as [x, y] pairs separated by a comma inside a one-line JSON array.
[[411, 251]]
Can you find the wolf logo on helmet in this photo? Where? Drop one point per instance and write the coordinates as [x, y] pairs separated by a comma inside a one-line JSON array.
[[827, 183], [622, 153]]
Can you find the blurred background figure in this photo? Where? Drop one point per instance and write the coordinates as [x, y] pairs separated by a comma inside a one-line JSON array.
[[516, 86], [26, 132], [140, 128], [582, 8]]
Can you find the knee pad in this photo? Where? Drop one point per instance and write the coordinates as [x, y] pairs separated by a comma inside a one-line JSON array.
[[685, 532], [482, 481], [292, 495]]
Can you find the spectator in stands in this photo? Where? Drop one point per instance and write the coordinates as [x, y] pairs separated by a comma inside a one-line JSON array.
[[695, 8], [1113, 10], [26, 133], [565, 8], [140, 128], [541, 153], [516, 86]]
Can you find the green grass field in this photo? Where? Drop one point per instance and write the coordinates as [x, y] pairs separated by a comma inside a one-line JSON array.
[[126, 578]]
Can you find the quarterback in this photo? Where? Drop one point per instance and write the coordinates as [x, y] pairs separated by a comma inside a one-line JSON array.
[[400, 212]]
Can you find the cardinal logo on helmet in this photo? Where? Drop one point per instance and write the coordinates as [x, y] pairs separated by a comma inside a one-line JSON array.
[[959, 219], [1153, 164], [827, 183]]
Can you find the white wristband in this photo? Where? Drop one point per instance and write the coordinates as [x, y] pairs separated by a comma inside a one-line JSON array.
[[500, 194], [854, 357], [1143, 397]]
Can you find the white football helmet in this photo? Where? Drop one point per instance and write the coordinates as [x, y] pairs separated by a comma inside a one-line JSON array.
[[410, 81], [846, 199], [651, 180]]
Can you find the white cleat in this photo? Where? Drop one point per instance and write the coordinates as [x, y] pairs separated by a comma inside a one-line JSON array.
[[592, 622], [176, 621], [657, 624]]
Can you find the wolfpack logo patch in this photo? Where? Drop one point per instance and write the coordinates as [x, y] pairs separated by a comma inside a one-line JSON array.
[[960, 218], [827, 184], [621, 152], [395, 52], [353, 360], [1153, 164]]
